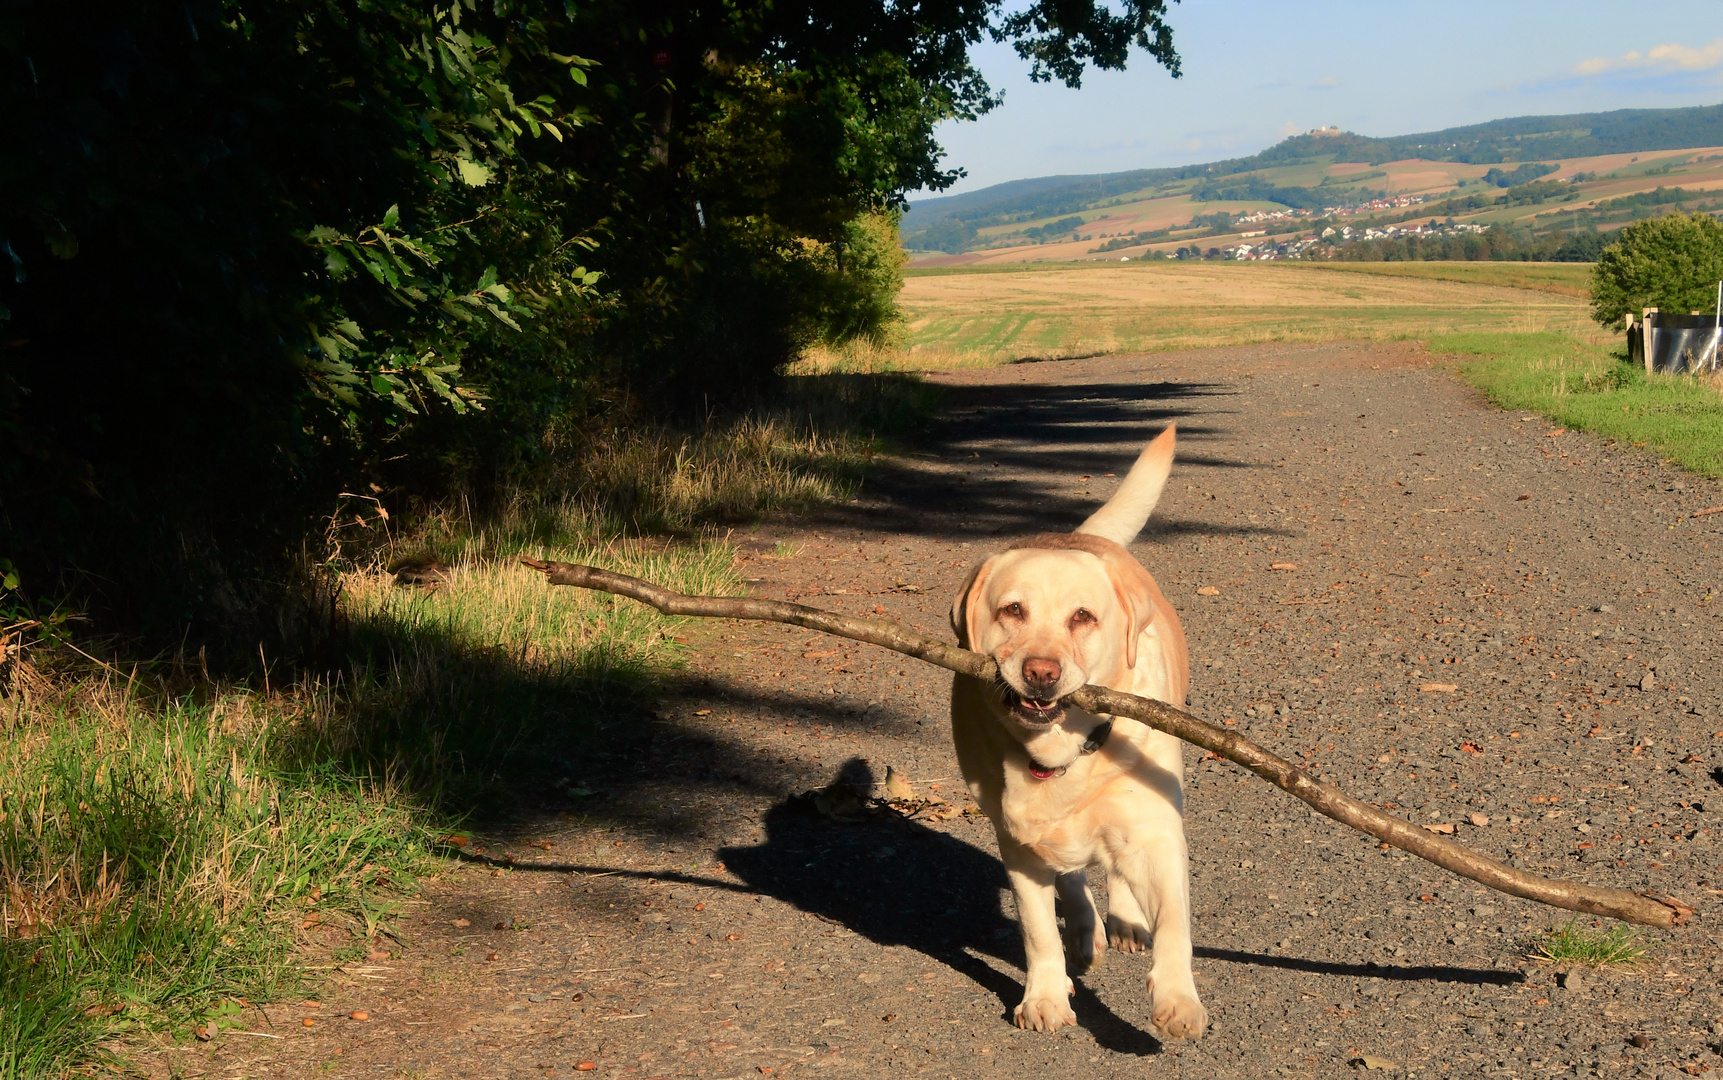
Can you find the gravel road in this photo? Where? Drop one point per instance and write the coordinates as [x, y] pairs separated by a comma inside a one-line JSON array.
[[701, 916]]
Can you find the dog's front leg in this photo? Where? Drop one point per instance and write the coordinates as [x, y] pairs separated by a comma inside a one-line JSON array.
[[1047, 991], [1159, 873]]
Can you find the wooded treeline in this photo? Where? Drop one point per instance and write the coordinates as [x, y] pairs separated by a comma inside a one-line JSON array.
[[257, 254]]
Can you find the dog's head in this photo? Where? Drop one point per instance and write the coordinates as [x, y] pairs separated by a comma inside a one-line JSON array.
[[1055, 612]]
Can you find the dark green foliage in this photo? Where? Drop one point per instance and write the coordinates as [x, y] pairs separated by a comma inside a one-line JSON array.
[[1525, 174], [1538, 192], [1583, 246], [255, 255], [1256, 189], [1497, 244], [1672, 262], [1663, 196]]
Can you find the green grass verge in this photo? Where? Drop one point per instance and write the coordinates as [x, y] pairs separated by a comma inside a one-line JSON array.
[[1593, 388], [169, 856], [157, 869]]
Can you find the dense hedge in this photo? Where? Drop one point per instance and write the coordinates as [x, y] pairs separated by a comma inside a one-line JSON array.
[[257, 253]]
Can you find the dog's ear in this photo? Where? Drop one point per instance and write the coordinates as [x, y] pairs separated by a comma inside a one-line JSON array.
[[1125, 514], [1136, 591], [965, 622]]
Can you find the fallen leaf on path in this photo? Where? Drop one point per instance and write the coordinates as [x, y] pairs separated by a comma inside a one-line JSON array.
[[463, 922], [1553, 434], [896, 787], [360, 1015], [1523, 498], [1445, 828], [819, 655], [1371, 1061], [308, 1022], [1208, 590], [490, 956], [878, 610], [702, 712], [1480, 820], [1437, 688], [458, 841], [1283, 566], [700, 906], [585, 1066]]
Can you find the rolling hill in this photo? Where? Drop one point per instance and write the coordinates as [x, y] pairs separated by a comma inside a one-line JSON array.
[[1541, 174]]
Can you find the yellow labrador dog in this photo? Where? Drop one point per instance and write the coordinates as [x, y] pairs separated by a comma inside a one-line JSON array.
[[1068, 789]]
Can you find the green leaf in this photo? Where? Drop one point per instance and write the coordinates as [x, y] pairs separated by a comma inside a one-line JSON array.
[[392, 217], [473, 174]]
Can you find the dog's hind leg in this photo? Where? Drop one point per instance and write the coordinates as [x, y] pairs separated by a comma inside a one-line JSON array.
[[1127, 926], [1085, 944]]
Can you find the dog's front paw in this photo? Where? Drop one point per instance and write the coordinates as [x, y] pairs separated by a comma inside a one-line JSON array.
[[1127, 936], [1179, 1015], [1045, 1012]]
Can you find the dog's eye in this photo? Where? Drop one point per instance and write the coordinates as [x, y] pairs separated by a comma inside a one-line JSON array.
[[1082, 616], [1014, 610]]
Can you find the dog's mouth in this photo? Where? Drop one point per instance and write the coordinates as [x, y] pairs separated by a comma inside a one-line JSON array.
[[1034, 712]]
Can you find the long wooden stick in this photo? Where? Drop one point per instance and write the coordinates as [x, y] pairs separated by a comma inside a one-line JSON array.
[[1326, 798]]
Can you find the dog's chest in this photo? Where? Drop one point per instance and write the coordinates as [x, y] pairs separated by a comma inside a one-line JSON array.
[[1052, 819]]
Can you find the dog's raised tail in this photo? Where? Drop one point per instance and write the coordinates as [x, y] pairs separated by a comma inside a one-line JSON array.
[[1125, 514]]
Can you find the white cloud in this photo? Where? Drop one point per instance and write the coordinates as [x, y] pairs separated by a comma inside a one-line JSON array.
[[1658, 60], [1327, 82], [1289, 128]]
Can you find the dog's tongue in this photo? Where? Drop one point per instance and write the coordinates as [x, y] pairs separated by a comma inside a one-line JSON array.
[[1041, 774]]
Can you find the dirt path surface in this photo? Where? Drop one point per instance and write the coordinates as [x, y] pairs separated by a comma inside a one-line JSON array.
[[695, 917]]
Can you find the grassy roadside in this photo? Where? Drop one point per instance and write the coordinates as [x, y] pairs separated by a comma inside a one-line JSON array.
[[174, 848], [1591, 387]]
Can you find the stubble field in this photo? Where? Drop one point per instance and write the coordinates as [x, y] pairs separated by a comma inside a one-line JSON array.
[[970, 319]]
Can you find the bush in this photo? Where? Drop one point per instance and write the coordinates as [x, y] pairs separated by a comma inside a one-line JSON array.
[[1672, 263]]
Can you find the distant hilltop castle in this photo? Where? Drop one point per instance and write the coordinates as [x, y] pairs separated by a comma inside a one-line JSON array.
[[1330, 130]]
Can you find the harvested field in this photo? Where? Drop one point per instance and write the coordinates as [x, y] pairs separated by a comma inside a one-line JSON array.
[[985, 319], [681, 912]]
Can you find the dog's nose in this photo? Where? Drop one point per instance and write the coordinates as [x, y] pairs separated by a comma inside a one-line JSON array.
[[1041, 674]]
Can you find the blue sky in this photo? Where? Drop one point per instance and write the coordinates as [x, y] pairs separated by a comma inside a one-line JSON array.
[[1256, 71]]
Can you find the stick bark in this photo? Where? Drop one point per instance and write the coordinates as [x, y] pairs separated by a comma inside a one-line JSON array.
[[1645, 909]]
